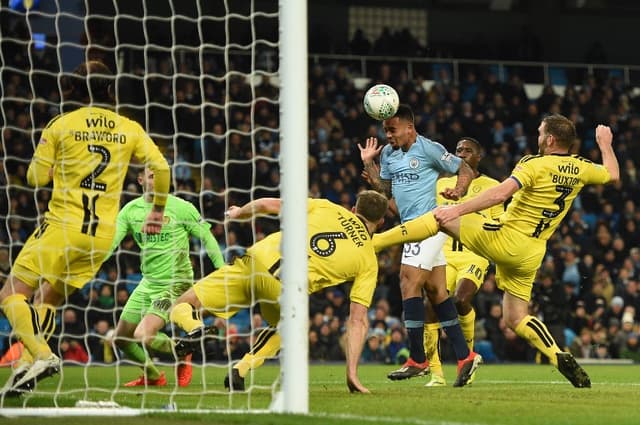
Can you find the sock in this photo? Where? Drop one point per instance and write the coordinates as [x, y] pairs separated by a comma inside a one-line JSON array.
[[134, 351], [468, 326], [448, 317], [46, 319], [47, 324], [162, 343], [537, 334], [182, 315], [415, 230], [414, 323], [24, 321], [432, 347], [266, 346]]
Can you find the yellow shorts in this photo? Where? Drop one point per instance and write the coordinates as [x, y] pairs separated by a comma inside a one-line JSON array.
[[61, 257], [516, 255], [236, 286], [465, 265]]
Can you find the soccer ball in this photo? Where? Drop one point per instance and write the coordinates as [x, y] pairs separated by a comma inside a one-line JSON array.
[[381, 102]]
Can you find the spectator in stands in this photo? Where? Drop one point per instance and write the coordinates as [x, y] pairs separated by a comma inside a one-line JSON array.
[[632, 348], [374, 351]]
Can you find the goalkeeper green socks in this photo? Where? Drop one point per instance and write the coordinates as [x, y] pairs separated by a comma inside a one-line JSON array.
[[161, 343], [134, 351]]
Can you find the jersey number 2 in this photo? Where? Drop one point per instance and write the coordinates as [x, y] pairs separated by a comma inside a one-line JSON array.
[[90, 220], [89, 182]]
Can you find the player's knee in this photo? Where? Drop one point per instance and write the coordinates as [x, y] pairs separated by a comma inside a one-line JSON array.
[[463, 302], [143, 335], [188, 297]]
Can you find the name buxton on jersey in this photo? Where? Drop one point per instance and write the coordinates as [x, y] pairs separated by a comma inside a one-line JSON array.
[[567, 177], [102, 131]]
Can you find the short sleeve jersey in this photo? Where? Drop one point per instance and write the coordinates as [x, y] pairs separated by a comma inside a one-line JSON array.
[[339, 248], [164, 256], [548, 186], [477, 186], [90, 150], [414, 173]]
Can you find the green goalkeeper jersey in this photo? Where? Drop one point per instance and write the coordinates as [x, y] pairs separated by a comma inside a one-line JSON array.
[[165, 256]]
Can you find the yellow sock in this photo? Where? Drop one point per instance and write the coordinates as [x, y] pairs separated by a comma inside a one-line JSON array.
[[182, 315], [537, 334], [431, 349], [46, 319], [468, 325], [266, 346], [415, 230], [24, 321], [47, 322]]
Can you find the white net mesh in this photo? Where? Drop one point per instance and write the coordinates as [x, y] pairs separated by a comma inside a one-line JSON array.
[[200, 77]]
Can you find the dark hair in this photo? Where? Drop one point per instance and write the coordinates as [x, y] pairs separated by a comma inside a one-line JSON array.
[[91, 81], [404, 112], [371, 205], [561, 128], [472, 140]]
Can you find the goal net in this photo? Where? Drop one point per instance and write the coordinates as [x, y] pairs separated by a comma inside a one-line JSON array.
[[202, 77]]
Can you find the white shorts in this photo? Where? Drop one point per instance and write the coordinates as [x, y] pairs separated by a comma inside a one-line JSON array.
[[426, 254]]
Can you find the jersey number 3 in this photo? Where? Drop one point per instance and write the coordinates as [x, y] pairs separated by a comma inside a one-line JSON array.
[[550, 214]]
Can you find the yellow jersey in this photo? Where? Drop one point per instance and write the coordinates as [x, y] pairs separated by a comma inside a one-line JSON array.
[[339, 249], [548, 186], [478, 185], [89, 151]]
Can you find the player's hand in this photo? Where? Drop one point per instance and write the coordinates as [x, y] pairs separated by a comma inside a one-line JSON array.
[[445, 214], [153, 223], [604, 137], [451, 194], [233, 212], [370, 150], [355, 386]]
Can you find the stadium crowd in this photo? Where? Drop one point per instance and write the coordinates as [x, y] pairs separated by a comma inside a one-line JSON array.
[[587, 289]]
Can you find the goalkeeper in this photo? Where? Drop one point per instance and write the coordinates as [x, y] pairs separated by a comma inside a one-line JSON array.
[[86, 153], [167, 273]]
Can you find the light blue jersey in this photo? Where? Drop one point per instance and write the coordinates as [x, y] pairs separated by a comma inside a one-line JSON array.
[[414, 173]]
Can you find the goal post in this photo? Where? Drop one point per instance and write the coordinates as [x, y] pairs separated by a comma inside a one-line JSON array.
[[221, 87], [294, 123]]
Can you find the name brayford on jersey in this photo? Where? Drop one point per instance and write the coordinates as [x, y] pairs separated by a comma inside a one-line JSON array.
[[96, 135]]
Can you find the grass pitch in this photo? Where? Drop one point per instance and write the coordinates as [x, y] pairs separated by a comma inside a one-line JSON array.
[[501, 394]]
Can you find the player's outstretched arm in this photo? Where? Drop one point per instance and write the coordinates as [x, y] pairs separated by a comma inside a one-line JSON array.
[[604, 138], [465, 176], [257, 206], [357, 327], [490, 197]]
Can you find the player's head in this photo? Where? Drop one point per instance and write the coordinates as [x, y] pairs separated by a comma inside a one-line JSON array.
[[145, 179], [470, 150], [372, 206], [400, 129], [90, 82], [556, 134]]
